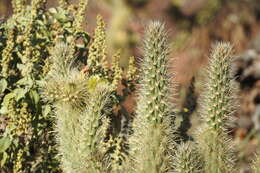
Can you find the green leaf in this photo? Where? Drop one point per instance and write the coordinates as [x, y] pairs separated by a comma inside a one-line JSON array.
[[46, 110], [35, 96], [3, 159], [3, 85], [5, 142], [53, 10], [19, 93], [26, 81], [5, 103]]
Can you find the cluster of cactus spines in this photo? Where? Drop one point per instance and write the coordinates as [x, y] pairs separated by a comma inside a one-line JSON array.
[[156, 86], [218, 102], [256, 163], [151, 143], [217, 105], [96, 62], [187, 159], [81, 125]]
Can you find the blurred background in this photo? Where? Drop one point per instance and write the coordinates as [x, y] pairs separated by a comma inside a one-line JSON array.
[[194, 25]]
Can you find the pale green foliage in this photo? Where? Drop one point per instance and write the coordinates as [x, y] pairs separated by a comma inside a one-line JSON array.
[[151, 144], [256, 164], [217, 107], [187, 159]]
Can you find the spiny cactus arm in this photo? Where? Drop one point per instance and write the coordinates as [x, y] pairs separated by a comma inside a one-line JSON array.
[[80, 108], [217, 106], [217, 150], [156, 88], [81, 133], [66, 125], [218, 99], [150, 145], [93, 126], [187, 159]]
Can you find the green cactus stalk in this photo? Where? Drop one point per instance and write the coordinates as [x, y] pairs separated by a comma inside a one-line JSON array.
[[152, 141], [256, 164], [187, 159], [217, 106], [81, 125]]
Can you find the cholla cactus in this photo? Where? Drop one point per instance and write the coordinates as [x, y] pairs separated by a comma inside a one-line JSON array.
[[81, 124], [217, 106], [150, 145], [187, 159], [256, 164]]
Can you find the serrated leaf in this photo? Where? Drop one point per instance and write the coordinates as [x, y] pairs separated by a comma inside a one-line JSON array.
[[5, 142], [3, 85]]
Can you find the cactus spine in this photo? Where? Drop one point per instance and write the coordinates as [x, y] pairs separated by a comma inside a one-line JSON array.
[[150, 145], [187, 159], [217, 106]]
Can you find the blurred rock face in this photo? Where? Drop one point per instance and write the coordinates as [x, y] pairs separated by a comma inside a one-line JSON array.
[[247, 70]]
